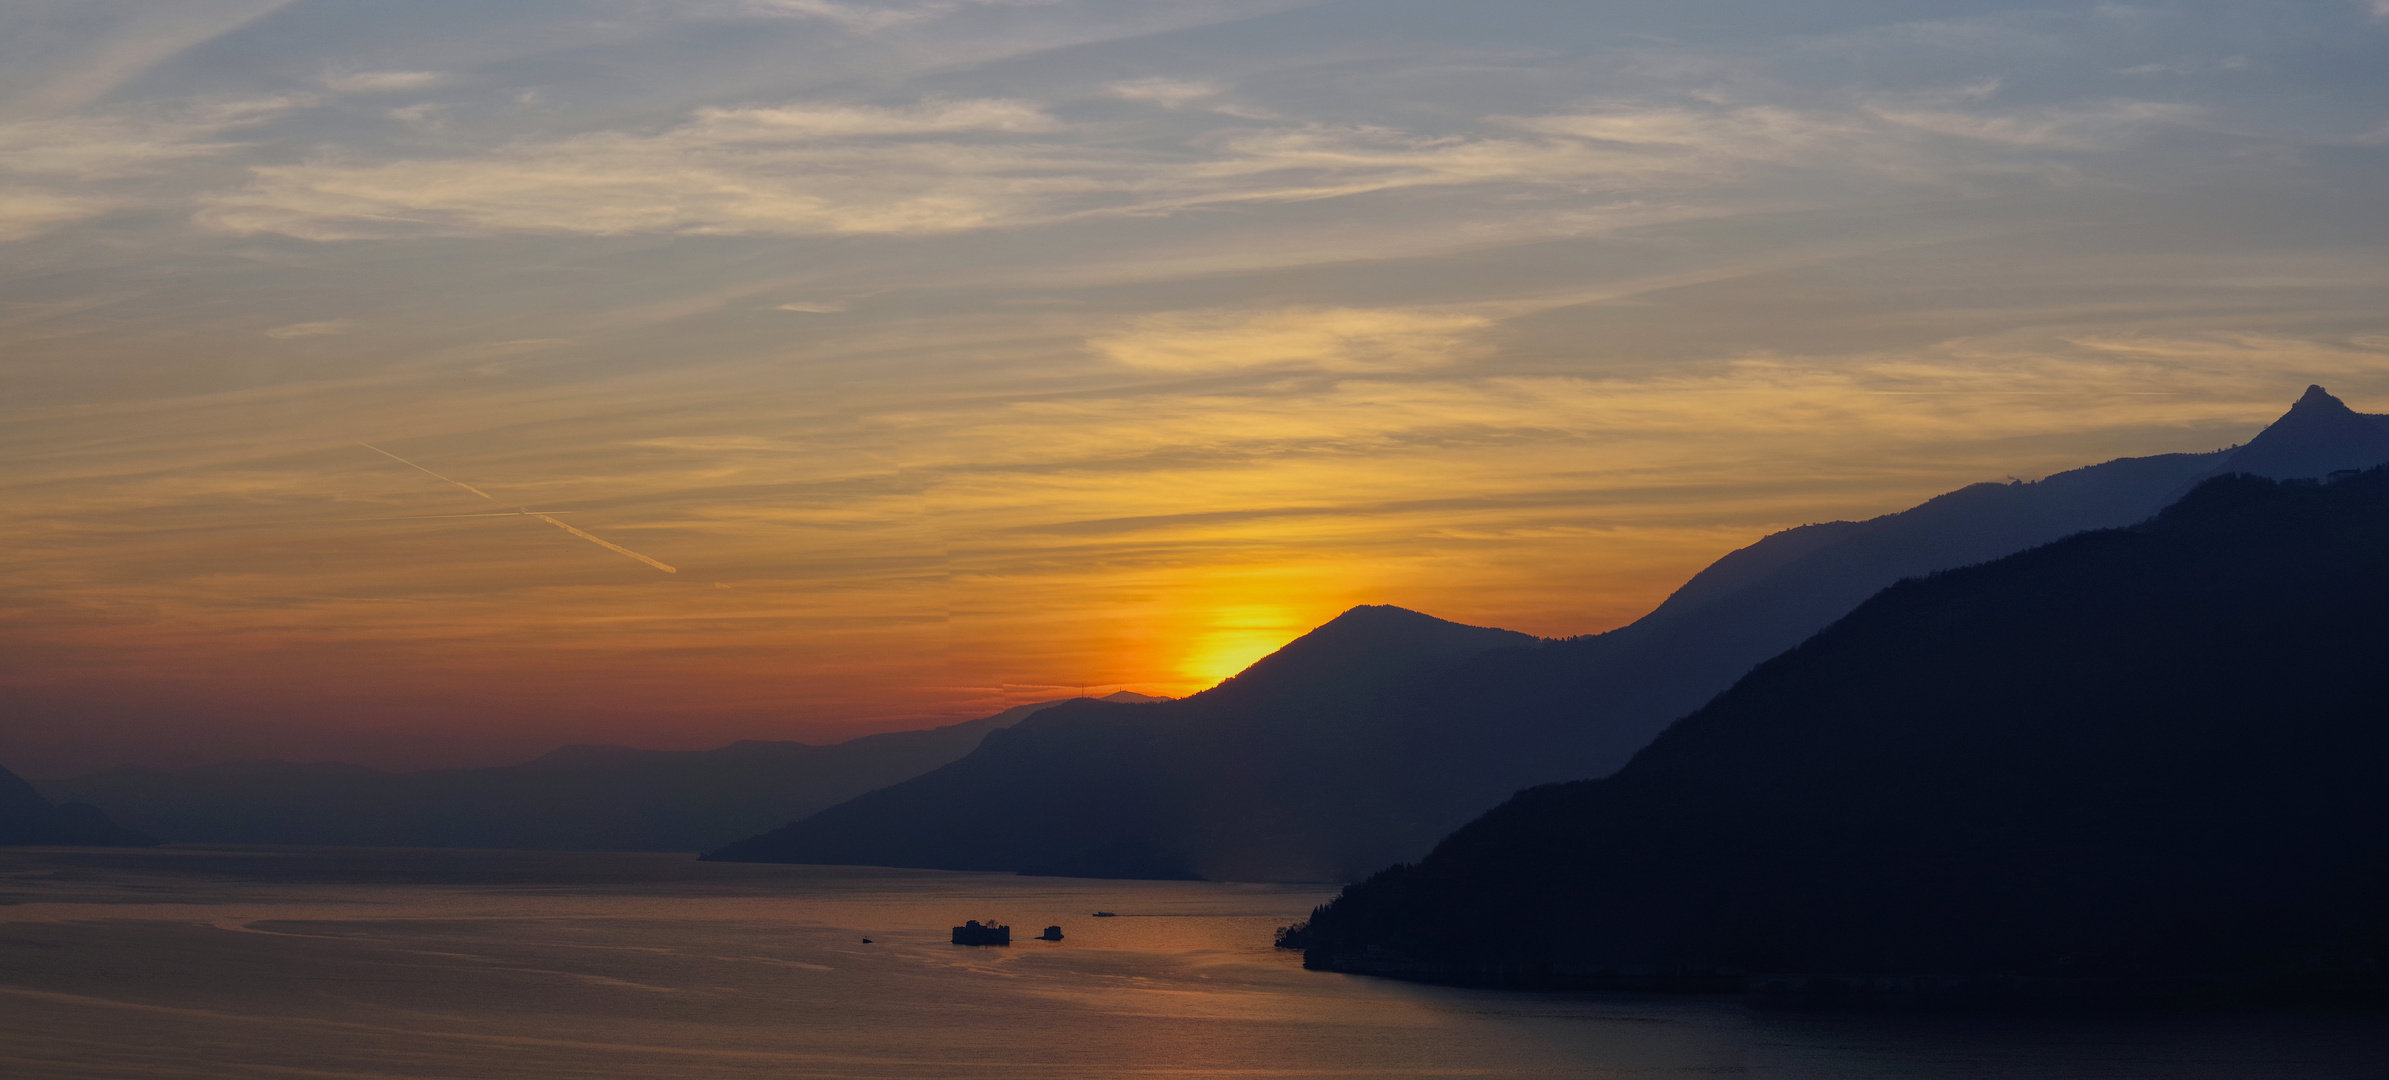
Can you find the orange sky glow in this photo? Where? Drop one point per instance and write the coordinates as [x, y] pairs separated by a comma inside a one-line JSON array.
[[957, 355]]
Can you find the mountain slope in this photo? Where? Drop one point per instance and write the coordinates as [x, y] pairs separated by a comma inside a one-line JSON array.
[[2142, 753], [2319, 435], [1206, 786], [1359, 784], [1581, 707], [27, 818], [575, 798]]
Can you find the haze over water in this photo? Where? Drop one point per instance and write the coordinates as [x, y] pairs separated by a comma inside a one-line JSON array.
[[261, 962]]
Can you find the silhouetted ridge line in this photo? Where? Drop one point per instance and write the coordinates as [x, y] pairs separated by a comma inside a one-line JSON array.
[[1326, 762], [2318, 436], [2140, 759], [28, 818], [573, 798], [1205, 786]]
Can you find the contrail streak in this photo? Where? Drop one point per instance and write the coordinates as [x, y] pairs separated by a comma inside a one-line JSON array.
[[412, 465], [606, 544], [493, 513]]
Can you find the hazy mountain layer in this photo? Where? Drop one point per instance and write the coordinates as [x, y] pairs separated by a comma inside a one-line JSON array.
[[1246, 781], [1581, 707], [596, 798], [1274, 776], [27, 818], [2147, 753]]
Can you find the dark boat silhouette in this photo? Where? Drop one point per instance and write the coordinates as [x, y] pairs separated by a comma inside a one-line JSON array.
[[973, 933], [1105, 915]]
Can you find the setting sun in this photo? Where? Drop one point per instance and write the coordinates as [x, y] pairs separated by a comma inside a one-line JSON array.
[[1237, 636], [566, 538]]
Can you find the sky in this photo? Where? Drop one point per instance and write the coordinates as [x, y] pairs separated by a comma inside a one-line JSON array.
[[960, 353]]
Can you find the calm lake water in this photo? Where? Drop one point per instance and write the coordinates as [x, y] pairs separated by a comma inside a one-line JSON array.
[[304, 963]]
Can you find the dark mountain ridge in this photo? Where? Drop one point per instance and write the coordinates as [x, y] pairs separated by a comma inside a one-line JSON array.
[[2319, 435], [27, 818], [1336, 789], [589, 798], [2138, 756], [1196, 787]]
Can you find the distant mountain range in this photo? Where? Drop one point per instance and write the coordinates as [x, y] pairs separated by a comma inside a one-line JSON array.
[[586, 798], [1226, 783], [27, 818], [1329, 760], [2136, 757]]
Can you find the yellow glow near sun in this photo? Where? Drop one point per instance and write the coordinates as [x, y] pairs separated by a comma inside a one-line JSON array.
[[1237, 636]]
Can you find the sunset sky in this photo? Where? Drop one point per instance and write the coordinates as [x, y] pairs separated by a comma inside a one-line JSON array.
[[959, 353]]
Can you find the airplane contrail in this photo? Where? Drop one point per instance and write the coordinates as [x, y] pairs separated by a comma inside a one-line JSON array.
[[521, 511], [606, 544], [412, 465]]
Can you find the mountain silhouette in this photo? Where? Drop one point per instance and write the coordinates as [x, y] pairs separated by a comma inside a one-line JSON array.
[[2319, 435], [1282, 774], [2144, 755], [28, 818], [592, 798], [1227, 783], [1582, 706]]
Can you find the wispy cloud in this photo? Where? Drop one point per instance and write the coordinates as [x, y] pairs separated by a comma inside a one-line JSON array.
[[326, 328], [981, 344], [1803, 411], [794, 170], [31, 211], [863, 18], [1167, 93], [118, 145], [2079, 128], [1326, 339], [64, 167], [792, 123], [383, 82], [81, 70], [2187, 66], [868, 18], [943, 166]]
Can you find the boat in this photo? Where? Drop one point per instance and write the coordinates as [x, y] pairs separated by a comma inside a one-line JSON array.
[[973, 933], [1105, 915]]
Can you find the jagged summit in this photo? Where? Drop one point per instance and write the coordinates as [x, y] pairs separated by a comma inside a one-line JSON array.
[[2319, 435]]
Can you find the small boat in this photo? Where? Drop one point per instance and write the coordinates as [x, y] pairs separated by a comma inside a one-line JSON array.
[[1052, 933], [1105, 915]]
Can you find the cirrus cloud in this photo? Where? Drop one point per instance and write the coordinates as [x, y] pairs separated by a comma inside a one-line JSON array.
[[324, 328], [31, 211], [1325, 338], [790, 171], [383, 82], [114, 146], [945, 166]]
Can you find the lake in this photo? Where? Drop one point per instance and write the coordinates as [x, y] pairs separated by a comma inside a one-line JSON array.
[[220, 962]]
